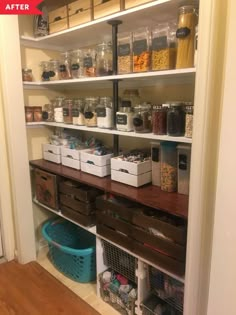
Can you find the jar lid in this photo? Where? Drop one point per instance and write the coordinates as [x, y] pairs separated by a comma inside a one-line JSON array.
[[157, 107], [176, 104], [27, 70], [125, 103], [187, 8], [144, 106]]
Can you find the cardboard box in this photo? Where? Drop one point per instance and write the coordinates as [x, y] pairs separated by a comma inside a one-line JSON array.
[[58, 20], [103, 9], [52, 153], [79, 12], [134, 3]]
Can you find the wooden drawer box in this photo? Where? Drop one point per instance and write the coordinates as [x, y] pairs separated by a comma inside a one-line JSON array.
[[101, 9], [79, 12], [76, 205], [46, 188], [58, 20], [133, 3]]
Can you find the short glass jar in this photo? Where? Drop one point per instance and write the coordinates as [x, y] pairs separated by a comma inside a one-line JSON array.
[[78, 112], [67, 111], [105, 113], [189, 120], [159, 119], [104, 59], [27, 75], [65, 66], [58, 109], [176, 120], [90, 114], [54, 70], [48, 112], [142, 118], [124, 118], [77, 64]]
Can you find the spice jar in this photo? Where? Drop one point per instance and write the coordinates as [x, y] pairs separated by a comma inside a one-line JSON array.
[[142, 118], [67, 111], [141, 50], [104, 59], [168, 166], [186, 36], [132, 96], [54, 70], [77, 64], [163, 47], [65, 66], [124, 51], [189, 120], [184, 157], [176, 120], [90, 115], [89, 62], [124, 118], [37, 113], [156, 163], [27, 75], [58, 109], [159, 119], [104, 112], [45, 70], [29, 114], [78, 112], [48, 112]]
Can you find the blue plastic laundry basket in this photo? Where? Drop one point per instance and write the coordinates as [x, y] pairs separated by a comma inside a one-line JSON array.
[[72, 249]]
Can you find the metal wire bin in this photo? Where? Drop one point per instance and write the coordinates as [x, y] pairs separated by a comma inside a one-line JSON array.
[[167, 288], [153, 305]]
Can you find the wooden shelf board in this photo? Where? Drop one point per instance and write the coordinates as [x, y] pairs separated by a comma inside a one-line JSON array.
[[149, 195]]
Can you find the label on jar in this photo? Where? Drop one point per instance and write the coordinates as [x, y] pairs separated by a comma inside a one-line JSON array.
[[65, 112], [183, 162], [159, 43], [124, 50], [52, 74], [155, 155], [75, 112], [75, 66], [45, 115], [137, 121], [88, 115], [121, 119], [88, 62], [139, 46], [101, 112], [62, 68], [183, 32]]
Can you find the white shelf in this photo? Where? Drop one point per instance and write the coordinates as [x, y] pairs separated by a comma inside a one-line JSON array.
[[143, 15]]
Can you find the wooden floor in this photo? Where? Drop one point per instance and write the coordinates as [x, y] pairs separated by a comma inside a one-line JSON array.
[[30, 290]]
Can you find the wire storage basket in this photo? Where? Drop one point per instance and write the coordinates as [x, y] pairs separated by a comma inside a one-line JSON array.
[[72, 250], [153, 305]]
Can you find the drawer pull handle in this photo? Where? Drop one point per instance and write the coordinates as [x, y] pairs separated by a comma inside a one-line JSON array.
[[90, 162], [123, 170], [58, 18], [69, 156]]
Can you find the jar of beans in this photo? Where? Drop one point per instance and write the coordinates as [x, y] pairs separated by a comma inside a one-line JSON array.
[[159, 119], [168, 166], [142, 118], [176, 120], [189, 120]]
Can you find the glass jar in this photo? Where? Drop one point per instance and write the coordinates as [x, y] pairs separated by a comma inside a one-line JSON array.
[[124, 52], [48, 112], [124, 118], [67, 111], [168, 166], [132, 96], [186, 36], [37, 113], [156, 163], [141, 50], [78, 112], [65, 66], [163, 47], [176, 120], [77, 64], [189, 120], [142, 118], [89, 62], [104, 59], [58, 109], [29, 114], [90, 115], [159, 119], [54, 70], [45, 70], [105, 113], [27, 75]]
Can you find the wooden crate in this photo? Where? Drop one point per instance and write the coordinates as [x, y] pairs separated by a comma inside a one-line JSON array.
[[133, 3], [86, 220], [58, 20], [76, 205], [79, 12], [46, 188], [103, 9]]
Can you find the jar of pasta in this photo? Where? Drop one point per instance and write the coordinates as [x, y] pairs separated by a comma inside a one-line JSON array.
[[90, 114], [124, 51], [189, 120], [186, 36], [168, 166], [141, 50]]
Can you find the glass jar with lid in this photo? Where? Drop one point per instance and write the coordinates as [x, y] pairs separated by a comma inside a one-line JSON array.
[[142, 118], [189, 120], [105, 113], [58, 109], [168, 166], [65, 66], [176, 120], [104, 59], [77, 64], [48, 112], [124, 118], [27, 75], [89, 62], [45, 70], [67, 111], [54, 70], [90, 114], [124, 51], [159, 119], [78, 112], [131, 95]]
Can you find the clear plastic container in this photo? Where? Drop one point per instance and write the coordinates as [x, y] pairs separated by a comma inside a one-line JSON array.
[[67, 111], [141, 50], [168, 166], [189, 120], [124, 117], [78, 112], [104, 59], [77, 70], [186, 36], [90, 114], [65, 66], [184, 158], [105, 113], [45, 70], [142, 118], [124, 53], [89, 62], [176, 120], [163, 47], [54, 70], [156, 163], [58, 109]]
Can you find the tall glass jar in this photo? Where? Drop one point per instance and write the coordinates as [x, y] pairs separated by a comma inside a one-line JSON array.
[[48, 112], [45, 70], [58, 109], [189, 120], [142, 118], [124, 53], [124, 118], [67, 111], [78, 112], [77, 64], [176, 120], [104, 59], [141, 50], [54, 70], [65, 66], [90, 114], [159, 119], [186, 36], [131, 95], [168, 166], [105, 113], [89, 62]]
